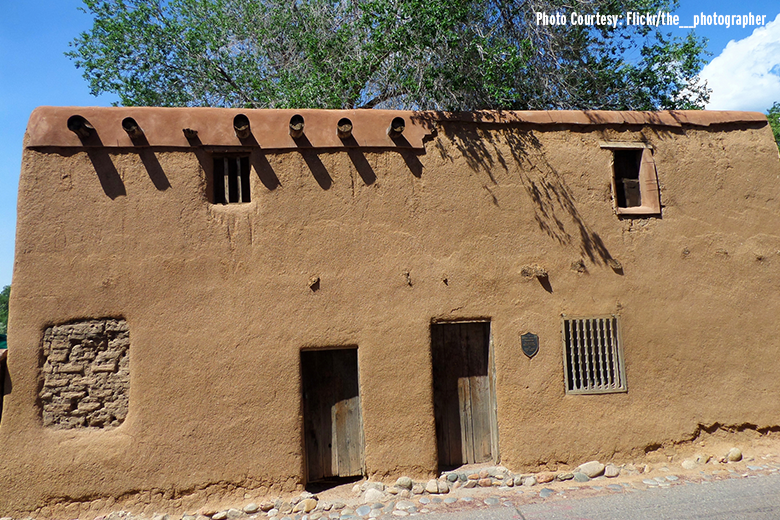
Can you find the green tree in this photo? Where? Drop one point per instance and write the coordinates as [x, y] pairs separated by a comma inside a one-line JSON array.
[[4, 296], [773, 115], [421, 54]]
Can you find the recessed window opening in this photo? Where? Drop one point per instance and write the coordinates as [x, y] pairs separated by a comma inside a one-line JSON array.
[[626, 167], [592, 354], [231, 180]]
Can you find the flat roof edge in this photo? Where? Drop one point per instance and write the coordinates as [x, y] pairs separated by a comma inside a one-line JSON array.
[[269, 129], [675, 118]]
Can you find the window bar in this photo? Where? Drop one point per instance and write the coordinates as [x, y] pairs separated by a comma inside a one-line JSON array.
[[570, 373], [594, 362], [238, 180], [226, 179], [589, 356], [611, 327], [572, 356], [618, 362], [607, 355], [594, 357], [603, 355], [583, 349], [599, 355], [575, 375], [578, 349], [615, 360], [610, 375], [590, 353]]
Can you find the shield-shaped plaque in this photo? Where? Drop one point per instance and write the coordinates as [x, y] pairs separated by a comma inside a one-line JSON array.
[[530, 344]]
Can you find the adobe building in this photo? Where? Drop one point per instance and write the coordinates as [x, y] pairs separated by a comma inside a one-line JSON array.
[[214, 301]]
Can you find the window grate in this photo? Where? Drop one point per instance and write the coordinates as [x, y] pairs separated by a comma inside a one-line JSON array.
[[594, 363], [231, 180]]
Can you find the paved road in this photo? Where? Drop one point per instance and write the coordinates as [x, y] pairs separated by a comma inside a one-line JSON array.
[[755, 498]]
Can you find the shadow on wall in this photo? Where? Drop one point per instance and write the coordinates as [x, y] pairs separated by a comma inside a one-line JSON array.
[[319, 171], [5, 379], [554, 205], [264, 171], [107, 174], [113, 185], [155, 171], [152, 165], [109, 178]]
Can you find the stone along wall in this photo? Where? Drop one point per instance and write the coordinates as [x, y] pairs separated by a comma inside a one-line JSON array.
[[86, 374]]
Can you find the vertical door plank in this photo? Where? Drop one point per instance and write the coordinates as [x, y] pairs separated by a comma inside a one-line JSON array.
[[316, 435], [447, 364], [466, 431], [348, 437], [347, 440], [475, 337], [480, 416], [439, 391], [326, 398], [337, 419], [441, 400]]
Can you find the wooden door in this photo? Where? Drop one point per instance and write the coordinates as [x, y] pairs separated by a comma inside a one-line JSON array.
[[333, 428], [463, 399]]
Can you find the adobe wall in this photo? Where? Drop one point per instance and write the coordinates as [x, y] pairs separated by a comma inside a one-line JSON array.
[[218, 304]]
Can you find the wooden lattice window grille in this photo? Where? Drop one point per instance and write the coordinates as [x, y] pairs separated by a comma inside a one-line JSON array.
[[593, 356]]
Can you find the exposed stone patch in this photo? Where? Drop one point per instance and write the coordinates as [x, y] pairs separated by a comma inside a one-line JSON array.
[[86, 374]]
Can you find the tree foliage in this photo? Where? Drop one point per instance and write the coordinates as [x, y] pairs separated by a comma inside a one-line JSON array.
[[424, 54], [4, 296], [773, 115]]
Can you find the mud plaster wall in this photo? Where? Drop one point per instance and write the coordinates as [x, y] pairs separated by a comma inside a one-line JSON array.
[[219, 304]]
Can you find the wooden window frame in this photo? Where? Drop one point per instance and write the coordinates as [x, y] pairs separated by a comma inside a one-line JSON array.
[[648, 180]]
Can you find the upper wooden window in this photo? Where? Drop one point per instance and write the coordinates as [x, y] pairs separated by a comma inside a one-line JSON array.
[[634, 179]]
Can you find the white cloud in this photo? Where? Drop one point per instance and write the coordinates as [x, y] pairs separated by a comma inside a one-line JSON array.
[[746, 75]]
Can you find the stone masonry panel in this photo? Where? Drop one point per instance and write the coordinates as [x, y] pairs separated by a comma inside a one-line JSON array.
[[86, 374]]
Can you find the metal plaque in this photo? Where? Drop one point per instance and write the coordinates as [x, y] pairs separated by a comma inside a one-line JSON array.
[[530, 344]]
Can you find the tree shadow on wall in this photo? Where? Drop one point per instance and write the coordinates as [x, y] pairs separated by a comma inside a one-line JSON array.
[[487, 145]]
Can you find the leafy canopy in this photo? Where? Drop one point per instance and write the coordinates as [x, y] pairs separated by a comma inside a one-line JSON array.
[[423, 54], [4, 295], [773, 115]]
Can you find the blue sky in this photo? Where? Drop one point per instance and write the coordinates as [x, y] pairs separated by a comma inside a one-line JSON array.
[[744, 74]]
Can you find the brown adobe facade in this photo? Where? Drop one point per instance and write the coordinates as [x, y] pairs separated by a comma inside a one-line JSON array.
[[196, 313]]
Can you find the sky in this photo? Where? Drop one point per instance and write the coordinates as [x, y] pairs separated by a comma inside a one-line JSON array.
[[743, 73]]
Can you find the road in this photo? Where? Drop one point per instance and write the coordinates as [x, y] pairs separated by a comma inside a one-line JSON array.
[[753, 498]]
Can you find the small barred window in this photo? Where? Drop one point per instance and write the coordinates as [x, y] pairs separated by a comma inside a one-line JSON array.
[[231, 180], [593, 357]]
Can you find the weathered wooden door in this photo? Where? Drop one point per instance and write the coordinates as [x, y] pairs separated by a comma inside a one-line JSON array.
[[463, 398], [333, 428]]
